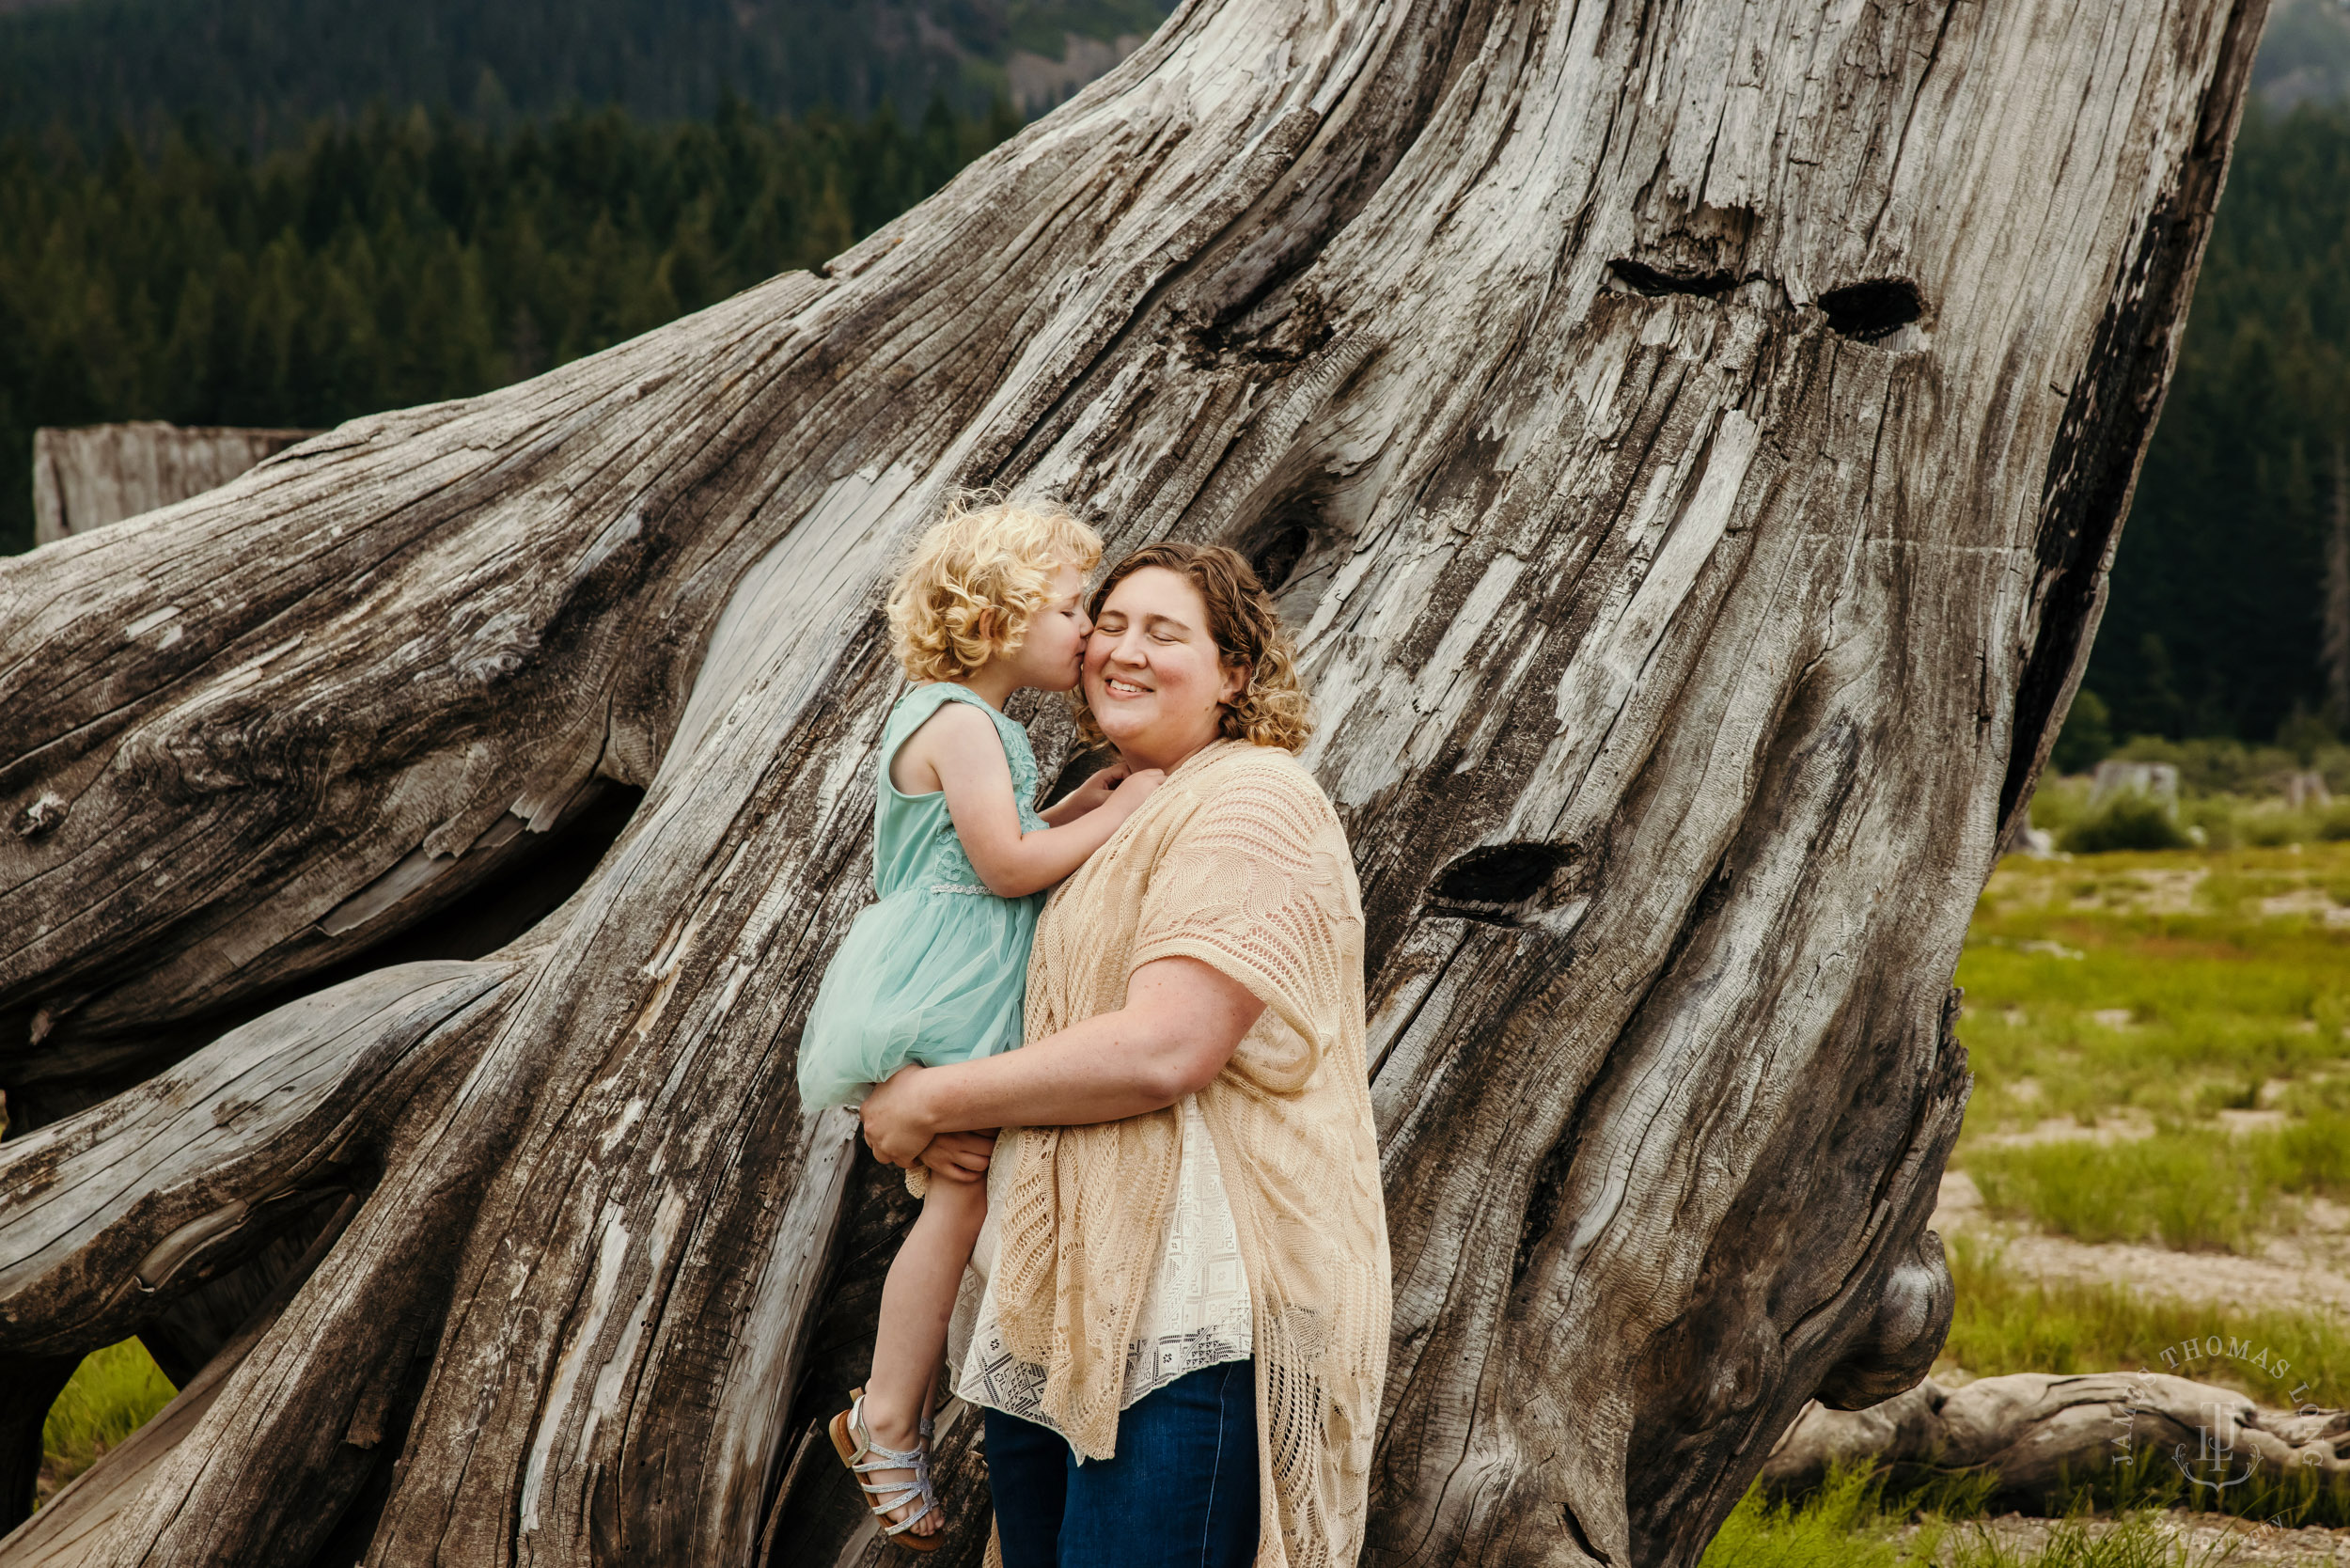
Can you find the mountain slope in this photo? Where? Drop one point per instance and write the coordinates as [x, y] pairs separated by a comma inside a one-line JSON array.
[[252, 71], [2305, 54]]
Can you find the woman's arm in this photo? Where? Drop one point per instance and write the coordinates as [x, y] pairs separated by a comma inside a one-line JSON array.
[[958, 747], [1180, 1026]]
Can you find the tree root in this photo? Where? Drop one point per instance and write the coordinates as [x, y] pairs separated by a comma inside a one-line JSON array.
[[2042, 1437], [109, 1216]]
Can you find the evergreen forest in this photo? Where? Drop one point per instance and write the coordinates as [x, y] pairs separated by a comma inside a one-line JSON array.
[[2215, 625], [406, 258]]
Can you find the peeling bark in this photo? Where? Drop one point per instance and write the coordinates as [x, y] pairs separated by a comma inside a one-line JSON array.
[[1687, 440]]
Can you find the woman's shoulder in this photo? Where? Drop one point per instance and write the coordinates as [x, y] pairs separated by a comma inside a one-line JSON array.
[[1279, 767], [1242, 778], [1260, 805]]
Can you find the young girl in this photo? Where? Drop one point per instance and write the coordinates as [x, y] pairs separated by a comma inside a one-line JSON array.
[[935, 972]]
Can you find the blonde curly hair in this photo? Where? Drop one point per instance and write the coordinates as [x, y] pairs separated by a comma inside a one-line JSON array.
[[1273, 708], [968, 588]]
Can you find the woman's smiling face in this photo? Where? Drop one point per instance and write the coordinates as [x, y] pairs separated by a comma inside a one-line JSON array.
[[1154, 676]]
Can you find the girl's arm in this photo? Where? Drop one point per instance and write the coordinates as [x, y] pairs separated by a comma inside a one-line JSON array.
[[1180, 1026], [959, 745]]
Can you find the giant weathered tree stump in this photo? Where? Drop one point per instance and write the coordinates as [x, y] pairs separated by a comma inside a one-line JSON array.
[[1689, 439]]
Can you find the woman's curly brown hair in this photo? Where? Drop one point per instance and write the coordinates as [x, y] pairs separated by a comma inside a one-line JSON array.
[[1272, 709], [967, 590]]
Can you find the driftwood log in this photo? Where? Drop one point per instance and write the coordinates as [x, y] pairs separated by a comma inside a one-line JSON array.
[[2043, 1439], [1689, 440], [89, 476]]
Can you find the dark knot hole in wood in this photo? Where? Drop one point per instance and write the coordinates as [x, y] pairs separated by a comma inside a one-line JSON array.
[[1501, 873], [1641, 278], [1274, 554], [1870, 311]]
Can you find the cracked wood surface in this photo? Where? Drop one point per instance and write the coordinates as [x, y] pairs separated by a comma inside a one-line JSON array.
[[1689, 440]]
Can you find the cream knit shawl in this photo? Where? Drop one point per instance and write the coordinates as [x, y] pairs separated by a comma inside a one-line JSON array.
[[1237, 861]]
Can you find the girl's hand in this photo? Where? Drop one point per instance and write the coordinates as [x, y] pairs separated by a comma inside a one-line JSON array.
[[960, 1156], [1137, 787], [893, 1127], [1096, 789]]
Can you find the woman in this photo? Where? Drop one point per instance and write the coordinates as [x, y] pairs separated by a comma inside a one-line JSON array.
[[1189, 1251]]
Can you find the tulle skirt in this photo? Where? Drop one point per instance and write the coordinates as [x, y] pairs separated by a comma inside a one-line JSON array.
[[924, 976]]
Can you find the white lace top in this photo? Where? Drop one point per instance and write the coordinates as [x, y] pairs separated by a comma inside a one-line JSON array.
[[1196, 1313]]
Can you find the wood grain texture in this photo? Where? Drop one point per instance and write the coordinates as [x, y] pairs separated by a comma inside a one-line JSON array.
[[1689, 440], [149, 1193]]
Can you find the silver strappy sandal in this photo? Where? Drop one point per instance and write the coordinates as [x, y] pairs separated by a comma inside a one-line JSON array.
[[863, 1456]]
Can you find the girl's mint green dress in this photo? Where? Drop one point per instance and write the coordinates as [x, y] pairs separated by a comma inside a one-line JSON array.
[[937, 970]]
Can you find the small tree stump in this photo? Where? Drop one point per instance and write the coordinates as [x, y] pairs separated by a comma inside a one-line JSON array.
[[93, 475]]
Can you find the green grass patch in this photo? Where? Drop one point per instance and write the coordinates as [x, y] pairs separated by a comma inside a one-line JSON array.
[[111, 1395], [2173, 984], [2170, 989], [1849, 1522], [2188, 1191], [2192, 1190], [2134, 1541], [1842, 1524], [2127, 822]]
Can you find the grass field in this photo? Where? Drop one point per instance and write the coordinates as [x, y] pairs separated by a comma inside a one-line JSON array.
[[2159, 1044], [2005, 1322], [1849, 1523], [112, 1394]]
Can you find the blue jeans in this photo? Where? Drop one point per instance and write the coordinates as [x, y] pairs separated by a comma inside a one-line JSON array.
[[1180, 1493]]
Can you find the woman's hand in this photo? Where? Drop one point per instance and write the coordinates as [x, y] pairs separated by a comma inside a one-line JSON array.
[[1182, 1022], [894, 1128], [960, 1156]]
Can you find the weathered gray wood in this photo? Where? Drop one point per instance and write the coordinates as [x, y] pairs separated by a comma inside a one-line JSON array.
[[141, 1204], [1689, 441], [184, 1337], [113, 1212], [89, 476], [2042, 1438], [78, 1525]]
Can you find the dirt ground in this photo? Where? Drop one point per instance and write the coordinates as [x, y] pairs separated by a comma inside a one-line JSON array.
[[2210, 1543], [2311, 1267]]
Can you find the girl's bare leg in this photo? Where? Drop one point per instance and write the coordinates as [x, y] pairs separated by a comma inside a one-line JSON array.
[[918, 1298]]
